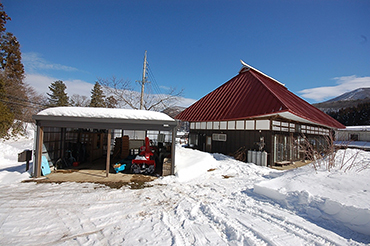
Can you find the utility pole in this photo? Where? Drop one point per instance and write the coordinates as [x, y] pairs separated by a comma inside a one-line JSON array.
[[143, 81]]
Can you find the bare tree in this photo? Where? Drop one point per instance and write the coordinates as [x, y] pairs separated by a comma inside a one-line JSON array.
[[77, 100], [161, 101], [319, 151], [37, 102], [328, 157], [123, 93]]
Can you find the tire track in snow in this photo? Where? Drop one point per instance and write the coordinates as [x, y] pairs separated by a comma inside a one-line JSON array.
[[250, 222], [180, 215], [196, 224], [229, 231], [291, 228], [290, 222], [187, 213], [79, 228], [232, 230]]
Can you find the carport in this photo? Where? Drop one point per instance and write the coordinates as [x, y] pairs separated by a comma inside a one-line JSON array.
[[95, 129]]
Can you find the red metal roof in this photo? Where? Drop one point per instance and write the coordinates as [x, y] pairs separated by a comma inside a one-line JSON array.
[[253, 94]]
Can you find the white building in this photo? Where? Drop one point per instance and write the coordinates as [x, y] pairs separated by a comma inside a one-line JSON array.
[[354, 136]]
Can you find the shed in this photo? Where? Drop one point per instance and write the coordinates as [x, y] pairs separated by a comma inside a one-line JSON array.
[[255, 111], [92, 133], [353, 136]]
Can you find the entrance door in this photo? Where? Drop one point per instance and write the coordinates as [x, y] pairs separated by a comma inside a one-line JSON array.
[[209, 144], [281, 148]]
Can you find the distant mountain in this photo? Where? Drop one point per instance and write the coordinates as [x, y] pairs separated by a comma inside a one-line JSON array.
[[346, 100], [358, 94], [173, 111]]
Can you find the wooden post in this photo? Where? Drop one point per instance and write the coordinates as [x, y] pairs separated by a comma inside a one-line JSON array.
[[173, 148], [40, 140], [143, 83], [108, 152]]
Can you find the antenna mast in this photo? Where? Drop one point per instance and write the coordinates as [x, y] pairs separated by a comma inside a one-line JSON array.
[[143, 81]]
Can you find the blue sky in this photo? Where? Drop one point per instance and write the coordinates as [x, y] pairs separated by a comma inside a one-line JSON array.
[[318, 49]]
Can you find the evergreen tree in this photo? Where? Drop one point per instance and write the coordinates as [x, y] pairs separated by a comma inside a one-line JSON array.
[[13, 74], [58, 97], [14, 91], [353, 116], [11, 57], [3, 18], [97, 96], [6, 116]]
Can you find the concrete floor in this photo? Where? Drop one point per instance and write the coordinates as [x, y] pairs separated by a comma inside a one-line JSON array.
[[95, 173]]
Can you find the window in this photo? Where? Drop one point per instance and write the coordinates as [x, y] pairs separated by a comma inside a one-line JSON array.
[[231, 125], [203, 125], [240, 125], [223, 125], [276, 123], [276, 128], [249, 125], [354, 137], [219, 137], [197, 125], [263, 125], [132, 134], [216, 125]]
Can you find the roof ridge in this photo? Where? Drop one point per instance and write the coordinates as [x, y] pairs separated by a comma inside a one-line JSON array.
[[245, 65], [283, 102]]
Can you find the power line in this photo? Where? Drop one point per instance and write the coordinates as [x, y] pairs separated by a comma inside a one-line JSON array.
[[19, 104], [22, 100], [154, 81], [155, 86]]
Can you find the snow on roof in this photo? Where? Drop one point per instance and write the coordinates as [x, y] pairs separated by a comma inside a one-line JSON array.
[[105, 113], [357, 128]]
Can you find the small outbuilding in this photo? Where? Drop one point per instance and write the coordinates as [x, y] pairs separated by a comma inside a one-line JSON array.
[[86, 135], [258, 113], [353, 136]]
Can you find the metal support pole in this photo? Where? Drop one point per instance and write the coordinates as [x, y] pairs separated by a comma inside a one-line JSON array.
[[38, 152], [108, 152]]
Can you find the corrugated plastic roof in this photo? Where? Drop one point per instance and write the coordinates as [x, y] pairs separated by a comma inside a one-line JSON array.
[[253, 94]]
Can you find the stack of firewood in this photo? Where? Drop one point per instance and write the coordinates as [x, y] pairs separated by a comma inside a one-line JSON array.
[[241, 154]]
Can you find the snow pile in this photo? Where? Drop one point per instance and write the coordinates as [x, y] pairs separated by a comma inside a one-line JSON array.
[[11, 171], [191, 164], [341, 195], [109, 113]]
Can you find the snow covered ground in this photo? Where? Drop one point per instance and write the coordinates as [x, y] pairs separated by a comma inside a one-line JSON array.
[[213, 200]]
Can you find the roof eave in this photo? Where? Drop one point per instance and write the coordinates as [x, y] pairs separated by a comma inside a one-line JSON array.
[[103, 123], [283, 114]]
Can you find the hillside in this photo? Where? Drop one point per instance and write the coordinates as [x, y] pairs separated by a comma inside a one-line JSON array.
[[173, 111], [346, 100]]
